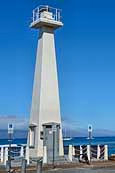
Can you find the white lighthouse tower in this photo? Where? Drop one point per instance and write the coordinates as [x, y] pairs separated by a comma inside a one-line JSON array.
[[45, 101]]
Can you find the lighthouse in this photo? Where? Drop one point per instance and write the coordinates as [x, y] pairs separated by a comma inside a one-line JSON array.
[[45, 107]]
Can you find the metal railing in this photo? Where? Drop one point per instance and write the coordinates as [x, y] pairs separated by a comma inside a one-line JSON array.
[[56, 13]]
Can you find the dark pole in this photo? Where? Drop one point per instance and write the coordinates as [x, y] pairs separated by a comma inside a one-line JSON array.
[[9, 152], [90, 149], [90, 142], [24, 165], [39, 166], [53, 148]]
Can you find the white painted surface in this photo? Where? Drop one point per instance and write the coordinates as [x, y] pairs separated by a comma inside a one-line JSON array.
[[70, 154], [27, 155], [98, 152], [51, 17], [88, 152], [5, 156], [73, 151], [2, 154], [45, 101], [106, 152], [22, 151], [81, 152], [45, 155]]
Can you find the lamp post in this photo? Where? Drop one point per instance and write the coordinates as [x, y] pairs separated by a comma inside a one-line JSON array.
[[10, 135]]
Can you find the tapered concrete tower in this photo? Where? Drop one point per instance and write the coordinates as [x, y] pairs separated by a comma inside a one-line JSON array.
[[45, 100]]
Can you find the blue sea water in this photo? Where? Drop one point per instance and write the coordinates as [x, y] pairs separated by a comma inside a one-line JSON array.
[[14, 141], [110, 141]]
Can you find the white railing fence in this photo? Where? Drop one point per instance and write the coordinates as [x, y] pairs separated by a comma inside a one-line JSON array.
[[93, 153], [16, 153]]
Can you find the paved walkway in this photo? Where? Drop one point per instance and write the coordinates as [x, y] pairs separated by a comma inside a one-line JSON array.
[[75, 170], [82, 170]]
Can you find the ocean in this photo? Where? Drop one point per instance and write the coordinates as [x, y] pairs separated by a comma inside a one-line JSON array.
[[110, 141]]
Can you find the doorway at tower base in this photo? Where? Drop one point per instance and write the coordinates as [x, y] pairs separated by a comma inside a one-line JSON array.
[[51, 141]]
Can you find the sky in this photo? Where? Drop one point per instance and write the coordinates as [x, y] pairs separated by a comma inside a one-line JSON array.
[[85, 58]]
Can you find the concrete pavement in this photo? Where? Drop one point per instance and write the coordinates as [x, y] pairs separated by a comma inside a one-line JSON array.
[[83, 170]]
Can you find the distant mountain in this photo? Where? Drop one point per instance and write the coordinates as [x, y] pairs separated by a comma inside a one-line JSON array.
[[23, 122], [84, 133], [17, 134], [103, 132], [69, 133]]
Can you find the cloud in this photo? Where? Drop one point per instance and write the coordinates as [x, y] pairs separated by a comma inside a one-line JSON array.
[[19, 122]]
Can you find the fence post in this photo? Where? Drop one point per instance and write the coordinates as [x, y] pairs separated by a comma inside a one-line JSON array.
[[27, 155], [39, 166], [89, 152], [45, 154], [70, 152], [106, 152], [73, 153], [22, 151], [2, 154], [98, 152], [5, 155], [24, 165], [81, 152]]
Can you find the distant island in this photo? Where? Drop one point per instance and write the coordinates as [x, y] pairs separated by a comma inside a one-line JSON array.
[[18, 133]]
